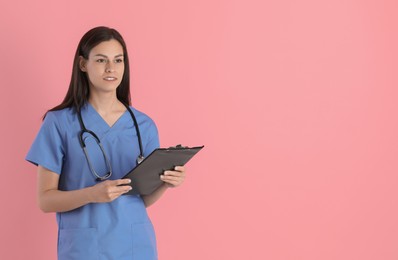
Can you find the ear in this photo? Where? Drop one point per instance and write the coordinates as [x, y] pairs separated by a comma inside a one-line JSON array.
[[82, 64]]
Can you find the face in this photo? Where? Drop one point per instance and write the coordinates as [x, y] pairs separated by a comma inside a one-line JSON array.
[[104, 66]]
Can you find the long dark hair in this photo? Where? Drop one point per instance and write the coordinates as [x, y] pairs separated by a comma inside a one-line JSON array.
[[79, 91]]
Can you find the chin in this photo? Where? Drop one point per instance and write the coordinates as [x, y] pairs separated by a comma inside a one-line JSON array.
[[109, 85], [105, 86]]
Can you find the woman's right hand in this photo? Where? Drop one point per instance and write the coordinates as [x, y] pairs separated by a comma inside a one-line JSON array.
[[109, 190], [51, 199]]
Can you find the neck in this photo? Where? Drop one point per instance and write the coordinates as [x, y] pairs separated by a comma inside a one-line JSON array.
[[104, 103]]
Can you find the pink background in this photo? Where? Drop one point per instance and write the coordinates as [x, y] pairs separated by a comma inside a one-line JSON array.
[[296, 102]]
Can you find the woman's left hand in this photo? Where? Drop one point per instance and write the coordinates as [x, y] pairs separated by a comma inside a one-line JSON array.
[[174, 178]]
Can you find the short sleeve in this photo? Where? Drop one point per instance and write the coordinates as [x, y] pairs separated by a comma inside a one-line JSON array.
[[153, 139], [47, 148]]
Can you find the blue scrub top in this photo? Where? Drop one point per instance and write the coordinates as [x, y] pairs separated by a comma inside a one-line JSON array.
[[119, 229]]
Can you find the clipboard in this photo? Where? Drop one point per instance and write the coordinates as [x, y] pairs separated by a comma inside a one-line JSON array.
[[145, 177]]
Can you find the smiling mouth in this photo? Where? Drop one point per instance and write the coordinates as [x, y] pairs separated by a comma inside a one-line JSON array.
[[110, 78]]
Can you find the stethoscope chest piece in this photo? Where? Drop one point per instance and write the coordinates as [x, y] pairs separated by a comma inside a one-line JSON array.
[[140, 159]]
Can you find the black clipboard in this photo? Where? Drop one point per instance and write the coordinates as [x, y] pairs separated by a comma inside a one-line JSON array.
[[145, 177]]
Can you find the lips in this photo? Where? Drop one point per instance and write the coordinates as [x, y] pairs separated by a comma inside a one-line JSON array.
[[110, 78]]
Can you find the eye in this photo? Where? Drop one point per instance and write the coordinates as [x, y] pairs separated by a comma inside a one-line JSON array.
[[101, 60], [118, 60]]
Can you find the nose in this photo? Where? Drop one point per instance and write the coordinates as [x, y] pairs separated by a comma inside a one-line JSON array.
[[110, 67]]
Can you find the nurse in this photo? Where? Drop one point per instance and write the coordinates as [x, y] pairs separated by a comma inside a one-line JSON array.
[[84, 187]]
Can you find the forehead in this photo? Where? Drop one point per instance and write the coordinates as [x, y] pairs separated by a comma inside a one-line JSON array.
[[109, 48]]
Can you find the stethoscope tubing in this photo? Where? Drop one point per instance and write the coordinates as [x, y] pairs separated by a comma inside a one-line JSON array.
[[83, 145]]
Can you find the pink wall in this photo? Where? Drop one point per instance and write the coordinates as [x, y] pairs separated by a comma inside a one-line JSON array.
[[296, 102]]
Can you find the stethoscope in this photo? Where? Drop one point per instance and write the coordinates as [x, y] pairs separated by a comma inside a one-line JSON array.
[[108, 164]]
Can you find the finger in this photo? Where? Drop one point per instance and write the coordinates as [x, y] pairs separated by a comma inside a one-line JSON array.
[[171, 178], [115, 196], [174, 173], [173, 182], [121, 189], [121, 182], [112, 189], [179, 168]]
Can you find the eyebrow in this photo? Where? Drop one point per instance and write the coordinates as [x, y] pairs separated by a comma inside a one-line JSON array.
[[102, 55]]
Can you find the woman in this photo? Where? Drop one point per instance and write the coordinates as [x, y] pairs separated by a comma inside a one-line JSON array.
[[78, 177]]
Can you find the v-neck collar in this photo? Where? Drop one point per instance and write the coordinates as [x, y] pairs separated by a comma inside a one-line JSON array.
[[95, 122]]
